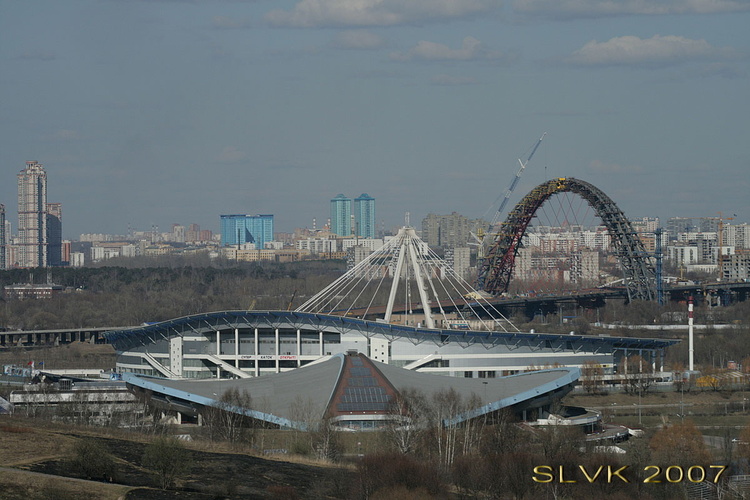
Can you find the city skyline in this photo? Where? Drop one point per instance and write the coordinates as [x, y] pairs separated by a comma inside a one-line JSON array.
[[151, 112], [54, 215]]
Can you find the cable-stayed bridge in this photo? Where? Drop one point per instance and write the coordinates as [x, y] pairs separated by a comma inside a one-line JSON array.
[[403, 278]]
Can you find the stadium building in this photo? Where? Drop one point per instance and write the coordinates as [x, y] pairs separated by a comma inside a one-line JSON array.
[[244, 344]]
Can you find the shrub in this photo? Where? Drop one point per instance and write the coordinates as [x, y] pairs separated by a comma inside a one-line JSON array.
[[92, 460], [167, 459]]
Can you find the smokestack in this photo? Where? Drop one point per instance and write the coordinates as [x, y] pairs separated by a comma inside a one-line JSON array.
[[690, 331]]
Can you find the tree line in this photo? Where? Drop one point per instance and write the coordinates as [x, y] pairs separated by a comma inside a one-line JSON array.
[[128, 296]]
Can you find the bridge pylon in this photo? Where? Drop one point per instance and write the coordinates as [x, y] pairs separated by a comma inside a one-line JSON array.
[[417, 282]]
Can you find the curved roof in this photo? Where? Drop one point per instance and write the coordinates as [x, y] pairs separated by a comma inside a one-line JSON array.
[[290, 398], [148, 334]]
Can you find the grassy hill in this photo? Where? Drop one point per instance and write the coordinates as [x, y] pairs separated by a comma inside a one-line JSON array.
[[39, 460]]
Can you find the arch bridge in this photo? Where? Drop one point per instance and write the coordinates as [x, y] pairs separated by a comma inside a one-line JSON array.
[[497, 267]]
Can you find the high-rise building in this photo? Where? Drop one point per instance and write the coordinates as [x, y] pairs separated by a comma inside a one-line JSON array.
[[459, 258], [242, 229], [32, 219], [54, 234], [364, 216], [341, 215], [452, 230], [2, 237], [677, 225], [193, 233], [178, 233]]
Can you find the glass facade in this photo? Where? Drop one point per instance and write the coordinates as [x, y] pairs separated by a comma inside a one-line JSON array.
[[364, 215], [54, 234], [241, 229], [341, 215]]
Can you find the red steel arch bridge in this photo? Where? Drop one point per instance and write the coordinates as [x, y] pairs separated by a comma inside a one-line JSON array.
[[497, 267]]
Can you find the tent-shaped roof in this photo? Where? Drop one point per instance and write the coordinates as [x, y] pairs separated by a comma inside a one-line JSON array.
[[355, 386]]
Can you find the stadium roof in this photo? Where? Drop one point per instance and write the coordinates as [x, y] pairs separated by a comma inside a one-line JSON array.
[[148, 334], [354, 387]]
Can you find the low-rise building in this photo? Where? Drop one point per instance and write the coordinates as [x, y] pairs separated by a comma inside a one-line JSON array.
[[99, 403], [32, 291]]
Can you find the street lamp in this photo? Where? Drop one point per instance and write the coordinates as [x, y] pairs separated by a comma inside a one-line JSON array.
[[639, 405]]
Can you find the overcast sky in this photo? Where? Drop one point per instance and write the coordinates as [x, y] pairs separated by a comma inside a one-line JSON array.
[[161, 112]]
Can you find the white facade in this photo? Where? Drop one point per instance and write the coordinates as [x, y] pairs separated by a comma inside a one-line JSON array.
[[129, 251], [683, 255], [551, 239], [461, 261], [246, 353], [737, 236], [77, 259], [371, 244], [318, 245], [693, 237]]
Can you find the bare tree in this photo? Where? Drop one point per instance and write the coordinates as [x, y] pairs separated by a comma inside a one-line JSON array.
[[325, 439], [409, 419], [446, 406], [473, 429], [636, 375], [592, 377], [227, 420], [307, 414]]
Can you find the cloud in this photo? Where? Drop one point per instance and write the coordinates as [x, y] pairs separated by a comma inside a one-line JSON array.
[[656, 51], [358, 39], [471, 50], [613, 168], [608, 8], [449, 80], [318, 13]]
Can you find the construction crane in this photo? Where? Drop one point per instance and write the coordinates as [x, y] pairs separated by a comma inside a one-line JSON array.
[[481, 236], [513, 184]]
